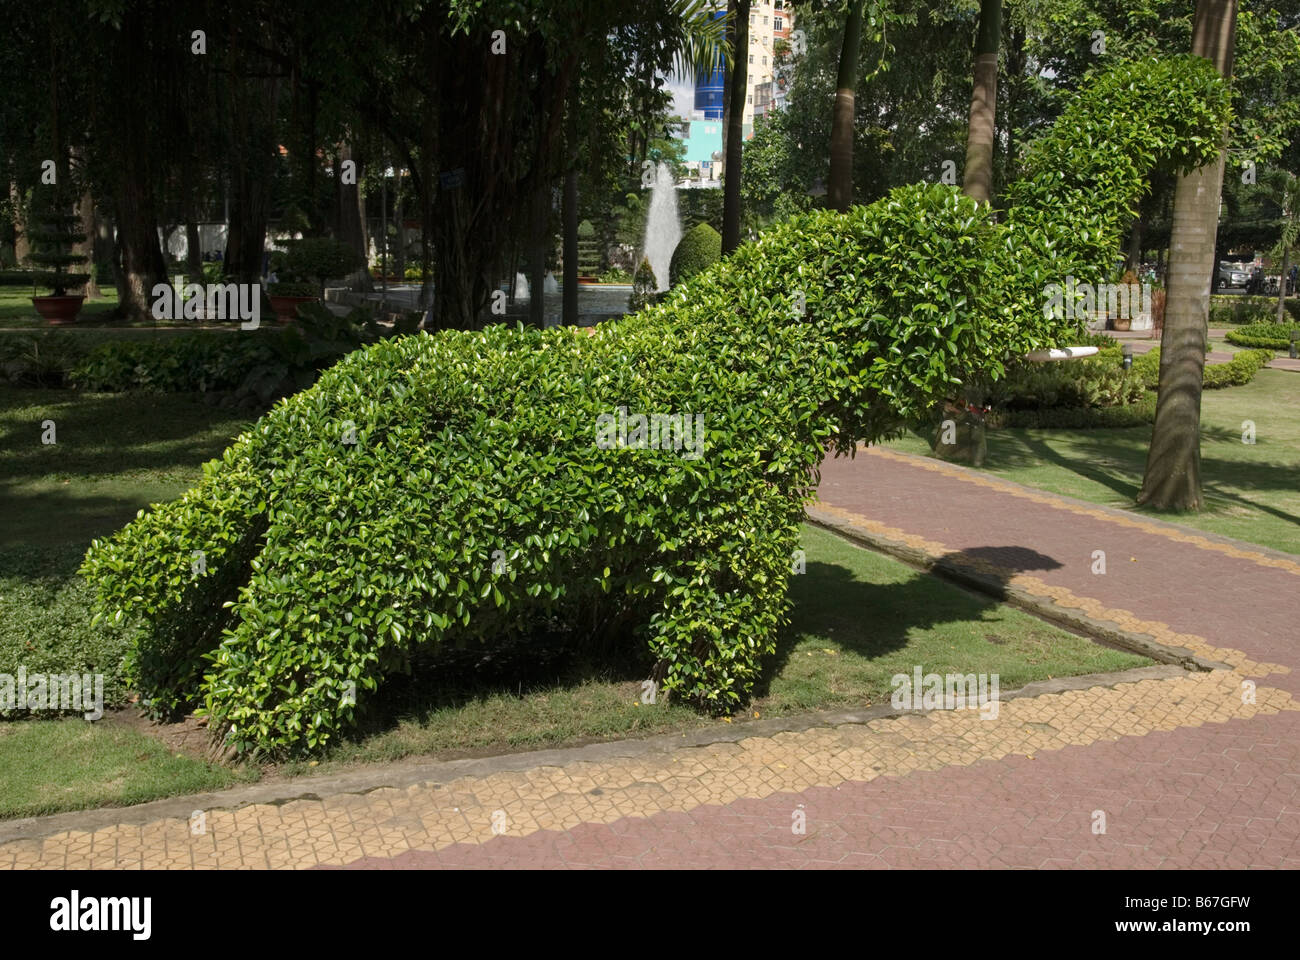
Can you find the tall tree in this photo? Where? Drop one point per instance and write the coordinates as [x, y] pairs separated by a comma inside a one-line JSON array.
[[977, 180], [839, 186], [1173, 471], [735, 131]]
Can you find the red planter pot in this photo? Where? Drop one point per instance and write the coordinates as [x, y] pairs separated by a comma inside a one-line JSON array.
[[59, 309], [286, 308]]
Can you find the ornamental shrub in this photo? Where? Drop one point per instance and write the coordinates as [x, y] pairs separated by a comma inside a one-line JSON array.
[[699, 249], [1266, 336], [1238, 371], [644, 484], [644, 287]]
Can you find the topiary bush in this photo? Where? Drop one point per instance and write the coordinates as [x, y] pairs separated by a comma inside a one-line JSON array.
[[698, 250], [644, 287], [1265, 336], [436, 491]]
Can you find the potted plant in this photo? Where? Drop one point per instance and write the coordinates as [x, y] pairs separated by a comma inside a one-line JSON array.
[[52, 241], [287, 295], [308, 265]]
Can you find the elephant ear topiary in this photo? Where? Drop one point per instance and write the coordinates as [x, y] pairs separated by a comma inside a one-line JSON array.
[[644, 485], [700, 249]]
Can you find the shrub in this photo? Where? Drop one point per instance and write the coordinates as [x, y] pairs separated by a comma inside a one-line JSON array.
[[1091, 383], [290, 288], [699, 249], [319, 260], [437, 491], [1238, 371], [1134, 414], [645, 287], [1225, 310], [1267, 336], [255, 366]]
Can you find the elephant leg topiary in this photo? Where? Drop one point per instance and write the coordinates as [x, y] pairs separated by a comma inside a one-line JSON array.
[[648, 480]]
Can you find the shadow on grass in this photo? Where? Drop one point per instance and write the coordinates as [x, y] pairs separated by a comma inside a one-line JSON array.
[[1222, 478]]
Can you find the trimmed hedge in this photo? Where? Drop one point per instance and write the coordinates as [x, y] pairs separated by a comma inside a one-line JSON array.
[[698, 250], [1225, 310], [1237, 372], [1266, 336], [437, 491]]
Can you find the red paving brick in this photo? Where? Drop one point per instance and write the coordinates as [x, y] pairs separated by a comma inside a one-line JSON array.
[[1223, 795]]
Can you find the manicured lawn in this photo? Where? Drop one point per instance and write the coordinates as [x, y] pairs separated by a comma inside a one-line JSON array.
[[859, 618], [115, 453], [55, 765], [16, 308], [1252, 490]]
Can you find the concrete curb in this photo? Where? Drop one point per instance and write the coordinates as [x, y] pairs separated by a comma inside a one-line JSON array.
[[435, 774]]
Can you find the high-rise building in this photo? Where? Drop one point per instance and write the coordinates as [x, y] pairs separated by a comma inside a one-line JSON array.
[[769, 21]]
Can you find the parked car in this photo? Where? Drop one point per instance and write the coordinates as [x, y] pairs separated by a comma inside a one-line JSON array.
[[1232, 275]]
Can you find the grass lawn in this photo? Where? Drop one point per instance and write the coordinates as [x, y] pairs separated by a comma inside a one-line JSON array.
[[1252, 491], [114, 454], [859, 618], [16, 308]]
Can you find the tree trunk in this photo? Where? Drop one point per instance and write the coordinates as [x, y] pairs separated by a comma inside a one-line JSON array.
[[86, 210], [1281, 287], [537, 257], [22, 246], [350, 223], [735, 127], [977, 180], [1173, 470], [254, 167], [1133, 258], [193, 249], [570, 214], [839, 189]]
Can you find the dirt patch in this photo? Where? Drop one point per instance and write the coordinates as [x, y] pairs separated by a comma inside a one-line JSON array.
[[188, 736]]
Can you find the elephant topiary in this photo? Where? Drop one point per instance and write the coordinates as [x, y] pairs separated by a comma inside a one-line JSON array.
[[644, 484]]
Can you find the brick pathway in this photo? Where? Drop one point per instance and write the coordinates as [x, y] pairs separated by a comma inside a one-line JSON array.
[[1188, 769]]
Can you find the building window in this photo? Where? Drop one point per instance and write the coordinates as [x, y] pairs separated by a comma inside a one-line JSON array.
[[751, 58], [778, 24], [750, 99]]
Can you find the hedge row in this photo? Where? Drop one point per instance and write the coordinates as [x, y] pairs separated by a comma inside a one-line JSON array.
[[1135, 414], [1266, 336], [1237, 372], [1240, 310]]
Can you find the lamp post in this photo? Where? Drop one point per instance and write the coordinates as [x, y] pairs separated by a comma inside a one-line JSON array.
[[1127, 352], [1294, 335]]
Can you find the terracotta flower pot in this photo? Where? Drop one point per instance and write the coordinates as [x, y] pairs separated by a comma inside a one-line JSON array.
[[59, 309], [1125, 323], [286, 308]]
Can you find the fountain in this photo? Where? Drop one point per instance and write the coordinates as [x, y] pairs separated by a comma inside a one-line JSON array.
[[663, 229]]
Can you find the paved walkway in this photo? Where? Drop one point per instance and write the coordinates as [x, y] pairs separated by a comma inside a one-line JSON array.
[[1185, 768]]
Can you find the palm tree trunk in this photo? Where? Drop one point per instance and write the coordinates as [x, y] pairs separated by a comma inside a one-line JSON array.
[[735, 126], [1173, 470], [839, 187], [977, 181]]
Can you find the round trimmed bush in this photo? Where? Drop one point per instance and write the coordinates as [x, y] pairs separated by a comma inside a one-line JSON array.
[[698, 250], [642, 485]]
